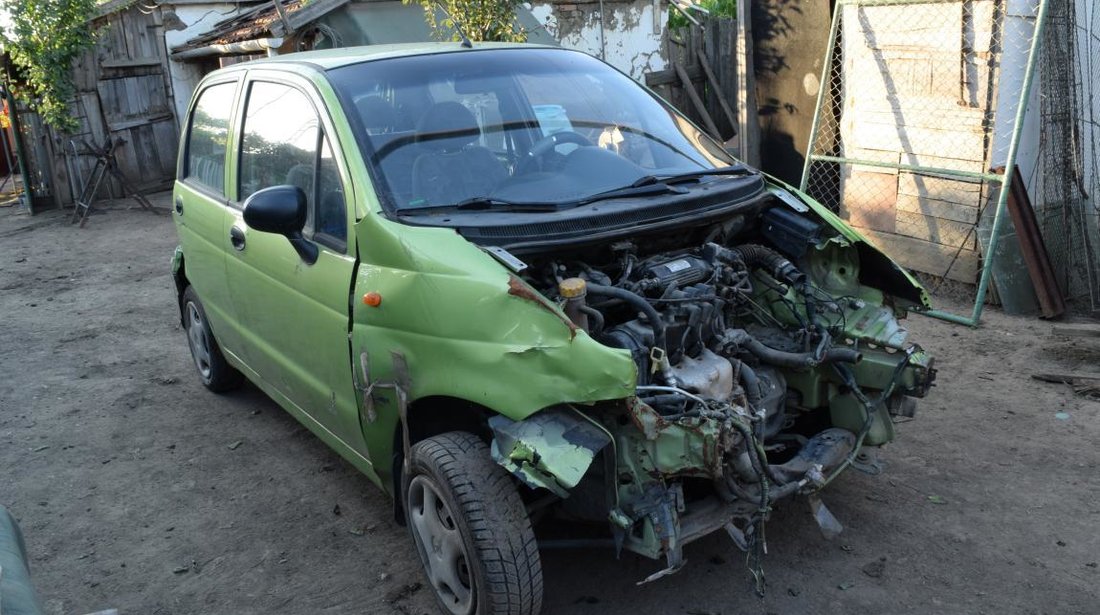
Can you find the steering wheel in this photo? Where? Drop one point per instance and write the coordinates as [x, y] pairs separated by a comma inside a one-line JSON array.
[[547, 145]]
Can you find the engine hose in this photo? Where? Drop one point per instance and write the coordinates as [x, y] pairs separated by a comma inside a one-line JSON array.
[[639, 302], [749, 381], [781, 358], [760, 257], [760, 464], [595, 319], [757, 457]]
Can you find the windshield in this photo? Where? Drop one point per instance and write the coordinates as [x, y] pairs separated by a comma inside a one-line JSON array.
[[512, 126]]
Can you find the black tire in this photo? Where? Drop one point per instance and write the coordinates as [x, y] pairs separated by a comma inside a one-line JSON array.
[[214, 371], [477, 509]]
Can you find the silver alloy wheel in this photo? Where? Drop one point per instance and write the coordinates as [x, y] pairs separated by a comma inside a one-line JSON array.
[[440, 544], [198, 338]]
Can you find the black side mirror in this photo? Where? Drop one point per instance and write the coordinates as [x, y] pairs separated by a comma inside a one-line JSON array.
[[281, 210]]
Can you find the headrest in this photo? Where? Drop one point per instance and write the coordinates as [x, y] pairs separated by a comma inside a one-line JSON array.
[[377, 114], [448, 126]]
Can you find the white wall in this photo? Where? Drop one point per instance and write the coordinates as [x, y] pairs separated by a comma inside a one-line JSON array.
[[632, 31], [1019, 28], [200, 19]]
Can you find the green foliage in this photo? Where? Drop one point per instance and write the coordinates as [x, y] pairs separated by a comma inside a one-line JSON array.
[[717, 8], [43, 39], [481, 20]]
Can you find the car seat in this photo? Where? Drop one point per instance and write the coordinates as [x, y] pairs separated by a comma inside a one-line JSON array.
[[451, 168]]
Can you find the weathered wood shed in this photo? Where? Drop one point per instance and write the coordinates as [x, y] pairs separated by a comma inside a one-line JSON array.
[[123, 93]]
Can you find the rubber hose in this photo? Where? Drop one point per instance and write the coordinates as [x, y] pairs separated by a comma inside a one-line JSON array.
[[639, 302], [843, 355], [757, 256], [750, 382], [595, 318], [781, 358]]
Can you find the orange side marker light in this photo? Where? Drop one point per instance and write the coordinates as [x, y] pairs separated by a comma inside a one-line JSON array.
[[372, 299]]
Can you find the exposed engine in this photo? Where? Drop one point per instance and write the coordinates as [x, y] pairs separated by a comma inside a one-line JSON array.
[[711, 358], [684, 317]]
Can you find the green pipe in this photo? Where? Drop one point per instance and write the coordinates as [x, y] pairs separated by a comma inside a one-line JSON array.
[[823, 85], [947, 316], [993, 177], [1010, 163]]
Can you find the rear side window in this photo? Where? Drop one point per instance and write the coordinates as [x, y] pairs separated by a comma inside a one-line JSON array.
[[206, 141], [282, 143]]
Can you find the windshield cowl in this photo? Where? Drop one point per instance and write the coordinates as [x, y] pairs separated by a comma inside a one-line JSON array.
[[701, 203]]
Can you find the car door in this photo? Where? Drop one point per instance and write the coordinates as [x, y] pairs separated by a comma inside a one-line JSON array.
[[199, 202], [293, 315]]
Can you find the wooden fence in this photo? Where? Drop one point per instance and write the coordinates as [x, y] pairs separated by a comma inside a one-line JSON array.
[[701, 80]]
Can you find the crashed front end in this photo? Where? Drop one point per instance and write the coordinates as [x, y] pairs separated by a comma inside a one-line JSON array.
[[769, 360]]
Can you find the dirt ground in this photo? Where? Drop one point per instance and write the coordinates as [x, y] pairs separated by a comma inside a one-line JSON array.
[[139, 490]]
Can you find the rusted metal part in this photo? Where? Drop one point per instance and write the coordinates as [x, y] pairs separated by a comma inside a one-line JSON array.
[[367, 387], [1034, 250], [684, 447], [518, 288], [401, 388]]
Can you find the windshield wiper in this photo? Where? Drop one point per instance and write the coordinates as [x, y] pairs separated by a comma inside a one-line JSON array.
[[479, 203], [627, 192], [485, 203], [734, 169], [488, 202]]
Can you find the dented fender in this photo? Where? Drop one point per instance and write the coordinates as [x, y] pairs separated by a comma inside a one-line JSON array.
[[519, 352]]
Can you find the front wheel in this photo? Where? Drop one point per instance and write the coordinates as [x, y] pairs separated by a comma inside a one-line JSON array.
[[471, 529], [216, 373]]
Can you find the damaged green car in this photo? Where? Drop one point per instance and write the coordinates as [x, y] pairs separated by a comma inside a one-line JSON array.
[[514, 287]]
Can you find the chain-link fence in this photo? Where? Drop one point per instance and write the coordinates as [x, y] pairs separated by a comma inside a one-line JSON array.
[[1068, 171], [919, 113]]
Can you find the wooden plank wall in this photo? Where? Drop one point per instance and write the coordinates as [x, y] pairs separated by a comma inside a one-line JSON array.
[[717, 40], [917, 91], [123, 90]]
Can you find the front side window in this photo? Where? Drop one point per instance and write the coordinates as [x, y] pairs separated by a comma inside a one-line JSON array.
[[282, 143], [207, 138]]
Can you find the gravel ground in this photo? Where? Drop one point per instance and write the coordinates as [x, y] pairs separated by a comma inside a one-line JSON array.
[[139, 490]]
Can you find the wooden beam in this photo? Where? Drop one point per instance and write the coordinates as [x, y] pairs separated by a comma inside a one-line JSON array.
[[717, 88], [1076, 330], [748, 127], [698, 102], [125, 63], [1069, 378], [669, 77]]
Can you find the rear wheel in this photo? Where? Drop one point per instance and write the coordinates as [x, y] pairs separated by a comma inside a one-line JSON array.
[[215, 372], [471, 529]]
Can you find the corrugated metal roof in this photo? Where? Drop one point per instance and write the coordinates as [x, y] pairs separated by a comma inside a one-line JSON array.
[[263, 21]]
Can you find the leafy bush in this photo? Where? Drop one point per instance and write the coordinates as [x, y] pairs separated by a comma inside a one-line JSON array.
[[717, 8], [43, 39], [481, 20]]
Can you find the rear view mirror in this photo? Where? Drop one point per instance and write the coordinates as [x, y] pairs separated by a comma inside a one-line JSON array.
[[281, 210]]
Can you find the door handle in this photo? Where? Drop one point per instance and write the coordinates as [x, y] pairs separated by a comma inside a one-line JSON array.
[[179, 205], [236, 237]]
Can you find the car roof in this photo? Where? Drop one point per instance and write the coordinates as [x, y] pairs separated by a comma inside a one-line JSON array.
[[327, 59]]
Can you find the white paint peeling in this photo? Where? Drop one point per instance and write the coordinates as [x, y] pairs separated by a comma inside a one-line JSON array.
[[630, 41]]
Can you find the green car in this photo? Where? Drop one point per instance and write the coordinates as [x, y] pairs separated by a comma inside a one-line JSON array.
[[519, 291]]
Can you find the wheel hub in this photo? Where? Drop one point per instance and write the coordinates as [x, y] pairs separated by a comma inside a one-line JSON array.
[[442, 551]]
